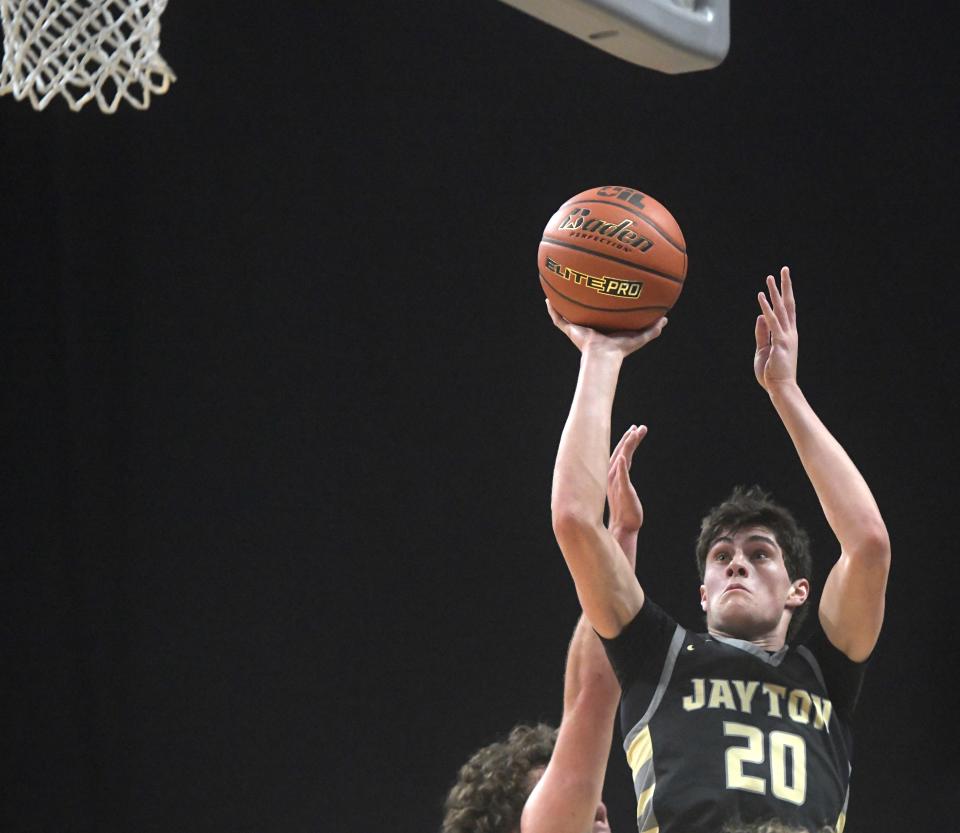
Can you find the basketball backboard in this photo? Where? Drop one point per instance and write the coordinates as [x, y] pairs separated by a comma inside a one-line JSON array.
[[671, 36]]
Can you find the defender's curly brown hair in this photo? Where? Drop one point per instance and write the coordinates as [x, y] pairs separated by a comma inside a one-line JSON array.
[[493, 785], [753, 506]]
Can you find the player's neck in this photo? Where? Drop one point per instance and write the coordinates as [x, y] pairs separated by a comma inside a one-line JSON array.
[[772, 642]]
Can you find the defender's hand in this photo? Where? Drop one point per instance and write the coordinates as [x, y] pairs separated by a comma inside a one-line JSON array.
[[626, 511], [622, 343], [775, 362]]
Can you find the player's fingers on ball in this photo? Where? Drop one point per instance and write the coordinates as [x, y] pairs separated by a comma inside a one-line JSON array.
[[551, 311], [650, 333], [654, 329], [555, 316]]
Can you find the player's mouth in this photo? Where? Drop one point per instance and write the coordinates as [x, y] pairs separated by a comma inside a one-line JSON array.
[[730, 588]]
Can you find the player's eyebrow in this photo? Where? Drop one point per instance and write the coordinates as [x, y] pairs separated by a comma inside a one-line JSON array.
[[764, 538], [726, 539]]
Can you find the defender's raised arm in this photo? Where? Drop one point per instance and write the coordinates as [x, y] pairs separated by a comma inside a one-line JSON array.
[[851, 607]]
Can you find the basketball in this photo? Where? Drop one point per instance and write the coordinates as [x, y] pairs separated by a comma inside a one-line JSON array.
[[612, 258]]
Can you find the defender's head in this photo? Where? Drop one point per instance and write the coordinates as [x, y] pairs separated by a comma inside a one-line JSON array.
[[493, 786]]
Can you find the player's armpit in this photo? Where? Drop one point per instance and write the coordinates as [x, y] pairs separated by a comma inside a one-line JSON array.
[[852, 604], [607, 587]]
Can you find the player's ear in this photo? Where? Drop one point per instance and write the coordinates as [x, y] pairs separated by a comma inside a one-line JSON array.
[[799, 592], [703, 598]]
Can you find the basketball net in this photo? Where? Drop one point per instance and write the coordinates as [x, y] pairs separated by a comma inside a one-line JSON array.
[[108, 50]]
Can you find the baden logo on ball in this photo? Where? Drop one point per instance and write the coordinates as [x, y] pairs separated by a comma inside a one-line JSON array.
[[612, 258]]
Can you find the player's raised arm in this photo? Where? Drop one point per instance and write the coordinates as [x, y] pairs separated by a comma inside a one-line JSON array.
[[567, 798], [609, 592], [851, 607]]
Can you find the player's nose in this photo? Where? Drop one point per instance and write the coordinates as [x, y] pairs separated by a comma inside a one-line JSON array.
[[737, 566]]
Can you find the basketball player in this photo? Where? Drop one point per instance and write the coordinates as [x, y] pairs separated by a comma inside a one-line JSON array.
[[556, 777], [734, 725]]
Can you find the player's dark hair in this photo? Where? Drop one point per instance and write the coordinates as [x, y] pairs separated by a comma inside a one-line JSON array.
[[754, 507], [494, 784]]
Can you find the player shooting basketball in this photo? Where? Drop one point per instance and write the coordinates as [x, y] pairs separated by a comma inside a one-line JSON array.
[[735, 724]]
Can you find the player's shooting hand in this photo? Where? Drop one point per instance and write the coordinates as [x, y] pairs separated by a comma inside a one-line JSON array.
[[626, 511], [775, 362], [622, 343]]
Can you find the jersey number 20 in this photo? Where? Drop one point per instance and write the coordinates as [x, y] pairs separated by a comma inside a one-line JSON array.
[[793, 789]]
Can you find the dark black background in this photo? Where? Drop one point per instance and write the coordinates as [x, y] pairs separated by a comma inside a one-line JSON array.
[[282, 398]]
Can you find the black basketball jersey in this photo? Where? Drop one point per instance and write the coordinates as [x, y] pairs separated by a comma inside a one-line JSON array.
[[717, 730]]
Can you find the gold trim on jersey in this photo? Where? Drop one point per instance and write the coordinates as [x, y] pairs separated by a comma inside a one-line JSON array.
[[640, 750], [639, 756], [642, 803]]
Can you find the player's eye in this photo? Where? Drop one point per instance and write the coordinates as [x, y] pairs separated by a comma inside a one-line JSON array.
[[760, 554], [719, 556]]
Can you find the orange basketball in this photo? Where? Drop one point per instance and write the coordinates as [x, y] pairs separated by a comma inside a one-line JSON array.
[[612, 258]]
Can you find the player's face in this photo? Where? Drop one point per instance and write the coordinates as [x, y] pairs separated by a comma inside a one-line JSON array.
[[746, 589]]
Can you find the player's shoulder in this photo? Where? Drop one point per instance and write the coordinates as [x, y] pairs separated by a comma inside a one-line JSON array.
[[841, 676], [644, 644], [817, 643], [650, 620]]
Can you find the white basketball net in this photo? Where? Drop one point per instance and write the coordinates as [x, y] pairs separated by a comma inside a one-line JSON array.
[[108, 50]]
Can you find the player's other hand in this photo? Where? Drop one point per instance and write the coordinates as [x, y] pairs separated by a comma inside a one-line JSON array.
[[626, 511], [775, 362], [622, 343]]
